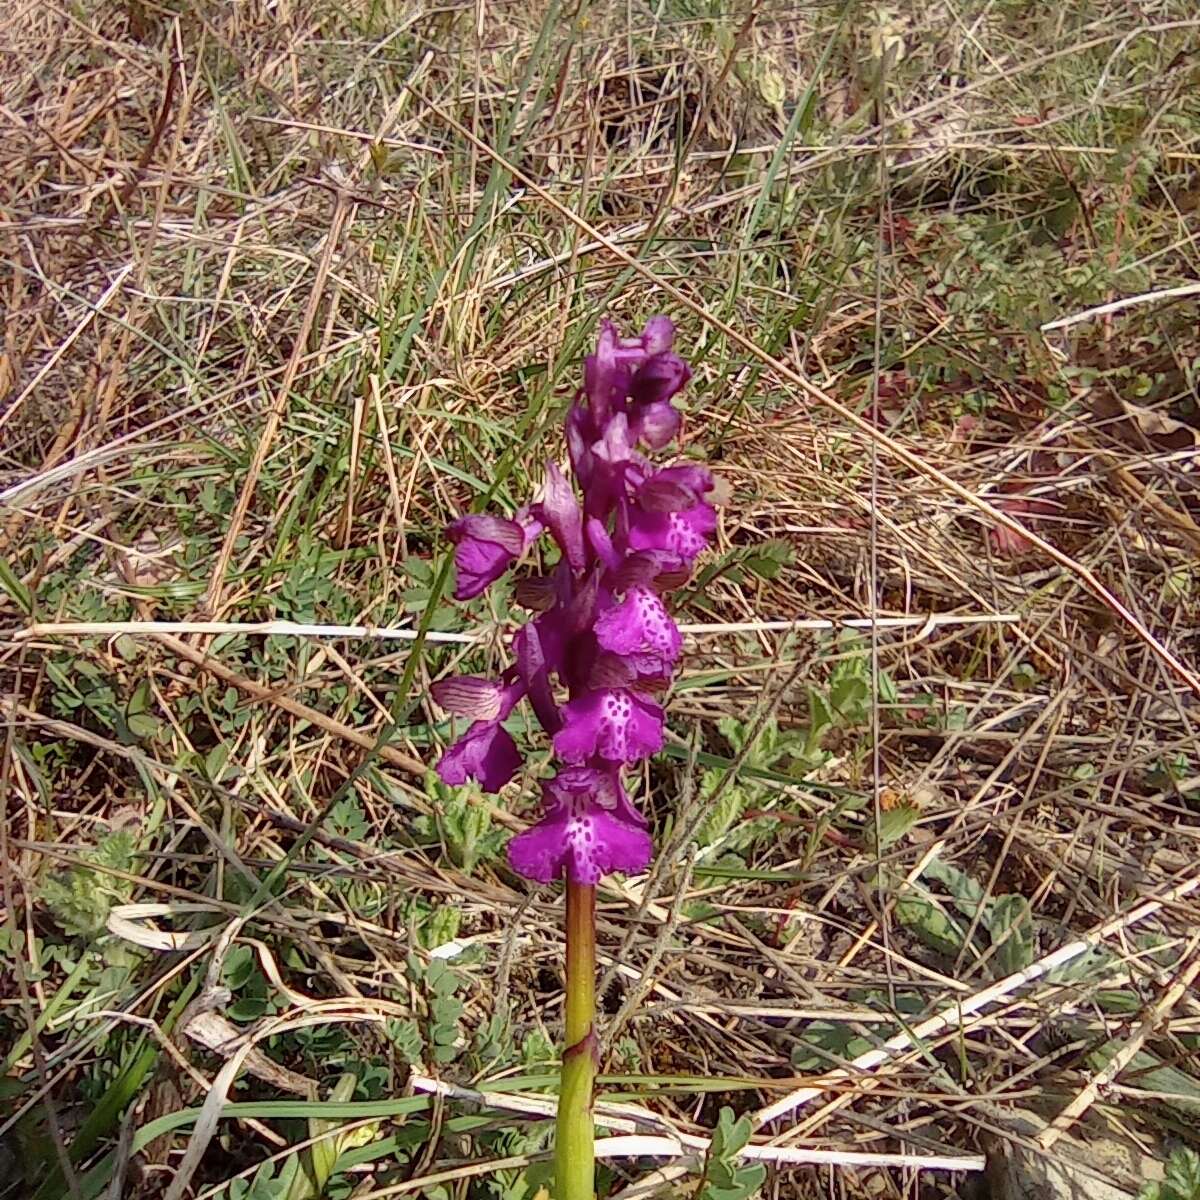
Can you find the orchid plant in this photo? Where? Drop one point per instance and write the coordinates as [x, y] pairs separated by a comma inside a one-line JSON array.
[[591, 663]]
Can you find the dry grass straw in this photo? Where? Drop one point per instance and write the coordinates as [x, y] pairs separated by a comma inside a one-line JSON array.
[[267, 327]]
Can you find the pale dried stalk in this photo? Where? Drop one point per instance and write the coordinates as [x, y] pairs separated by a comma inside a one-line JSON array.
[[955, 1015], [1125, 1055], [48, 629], [213, 598], [67, 343], [896, 449], [1115, 306], [675, 1144]]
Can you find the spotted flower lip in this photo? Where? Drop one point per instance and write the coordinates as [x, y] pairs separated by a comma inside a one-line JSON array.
[[617, 724], [639, 624], [684, 534], [600, 630], [586, 831]]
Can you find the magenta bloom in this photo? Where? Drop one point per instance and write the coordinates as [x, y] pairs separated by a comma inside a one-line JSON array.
[[639, 623], [616, 725], [487, 752], [589, 828], [603, 633], [484, 548]]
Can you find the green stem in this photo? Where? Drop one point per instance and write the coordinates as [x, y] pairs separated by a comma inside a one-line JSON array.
[[574, 1149]]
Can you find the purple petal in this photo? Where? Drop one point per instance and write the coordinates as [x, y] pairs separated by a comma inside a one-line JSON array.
[[580, 611], [601, 784], [580, 436], [616, 724], [643, 671], [484, 548], [531, 525], [555, 628], [611, 671], [658, 379], [658, 335], [673, 580], [684, 534], [536, 592], [540, 852], [685, 479], [606, 373], [587, 847], [483, 528], [639, 624], [479, 565], [560, 511], [644, 568], [660, 493], [655, 424], [611, 795], [531, 663], [469, 696], [616, 445], [601, 543], [486, 752]]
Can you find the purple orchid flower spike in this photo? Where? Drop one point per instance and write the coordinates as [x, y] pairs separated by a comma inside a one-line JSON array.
[[602, 635], [602, 631]]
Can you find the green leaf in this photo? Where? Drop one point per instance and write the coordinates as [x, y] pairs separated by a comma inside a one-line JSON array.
[[895, 823], [1181, 1179], [931, 923], [769, 558], [79, 899], [1010, 923], [1183, 1174], [313, 1173], [730, 1135], [835, 1038], [748, 1180], [771, 86], [729, 806], [965, 892], [10, 581], [1178, 1089], [820, 716], [848, 697], [1093, 964], [215, 760], [406, 1037], [143, 725], [237, 967], [440, 927], [733, 731]]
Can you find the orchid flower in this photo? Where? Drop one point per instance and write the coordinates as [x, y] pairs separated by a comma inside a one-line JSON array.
[[592, 662]]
